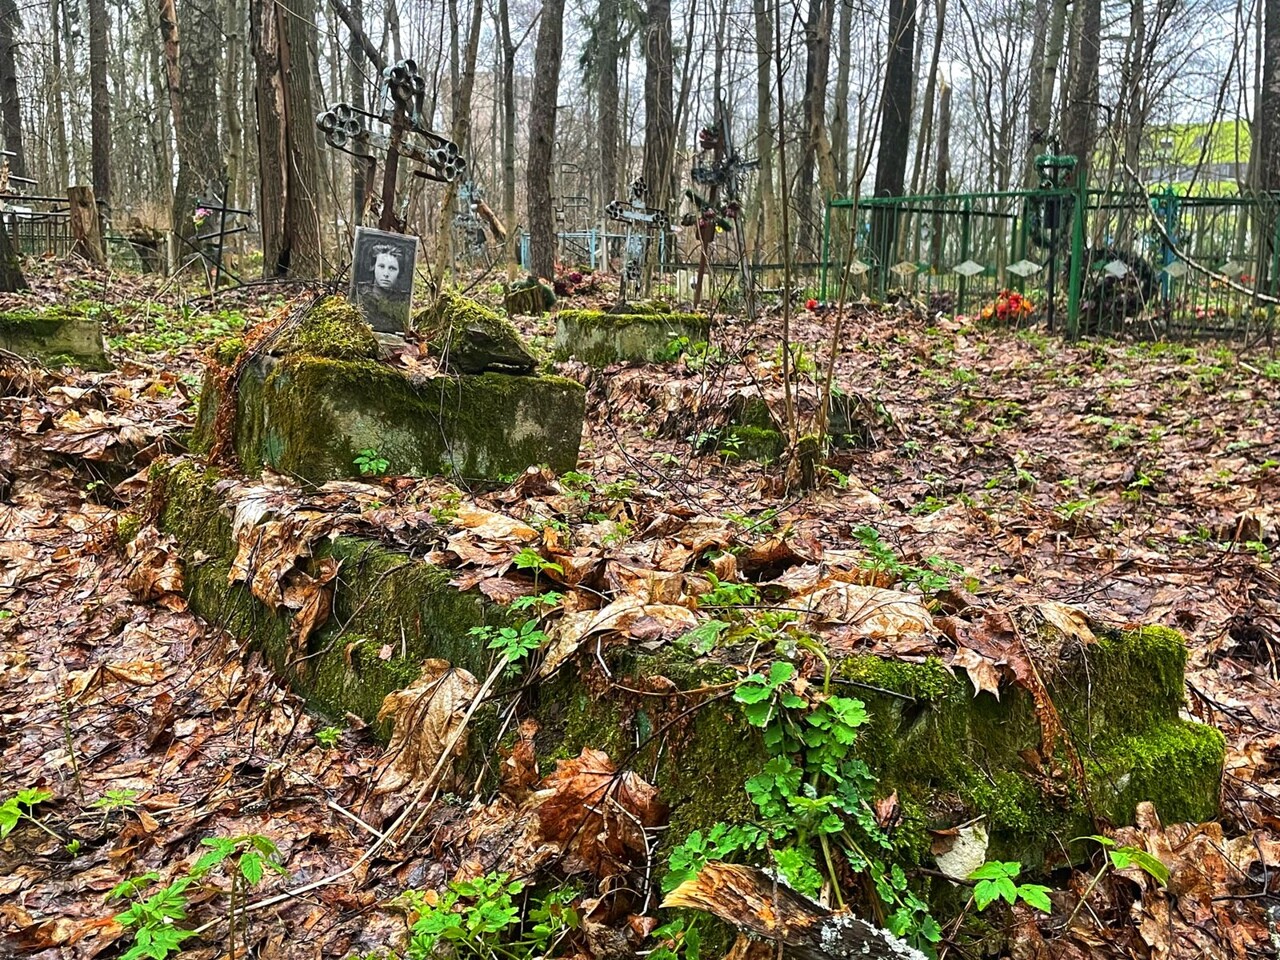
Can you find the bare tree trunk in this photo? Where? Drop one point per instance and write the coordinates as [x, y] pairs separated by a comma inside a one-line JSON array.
[[61, 163], [1080, 124], [11, 278], [542, 132], [942, 168], [355, 88], [231, 95], [99, 100], [162, 131], [766, 219], [895, 123], [199, 151], [1268, 112], [173, 68], [607, 97], [817, 36], [288, 159], [840, 110], [919, 175], [508, 135], [461, 132], [659, 118], [10, 107]]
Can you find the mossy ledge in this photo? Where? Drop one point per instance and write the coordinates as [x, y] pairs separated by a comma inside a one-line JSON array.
[[310, 417], [599, 338], [58, 336], [950, 756]]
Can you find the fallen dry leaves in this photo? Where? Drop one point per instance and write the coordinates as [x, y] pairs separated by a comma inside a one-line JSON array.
[[1011, 472]]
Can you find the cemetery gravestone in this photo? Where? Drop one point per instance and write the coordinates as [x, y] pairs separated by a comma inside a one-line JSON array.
[[320, 400]]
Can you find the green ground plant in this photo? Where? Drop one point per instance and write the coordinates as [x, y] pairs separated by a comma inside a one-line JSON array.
[[156, 911], [813, 804]]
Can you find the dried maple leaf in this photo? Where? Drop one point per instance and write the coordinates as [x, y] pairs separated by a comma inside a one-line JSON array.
[[426, 719], [157, 567], [598, 814]]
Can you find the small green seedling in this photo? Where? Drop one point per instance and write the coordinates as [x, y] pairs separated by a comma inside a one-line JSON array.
[[996, 882], [328, 737], [370, 463], [19, 807]]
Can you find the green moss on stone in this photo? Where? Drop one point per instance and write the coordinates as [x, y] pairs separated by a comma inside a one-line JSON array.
[[951, 756], [226, 350], [311, 417], [58, 335], [753, 443], [334, 329], [127, 527], [599, 338], [470, 338]]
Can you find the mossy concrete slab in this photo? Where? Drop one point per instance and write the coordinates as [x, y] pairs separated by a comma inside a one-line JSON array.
[[311, 417], [949, 755], [468, 337], [54, 336], [599, 338]]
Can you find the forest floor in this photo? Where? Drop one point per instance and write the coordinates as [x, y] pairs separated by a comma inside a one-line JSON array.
[[1139, 482]]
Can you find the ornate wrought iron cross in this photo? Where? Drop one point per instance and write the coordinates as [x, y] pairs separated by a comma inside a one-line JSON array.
[[722, 208], [636, 215], [350, 130]]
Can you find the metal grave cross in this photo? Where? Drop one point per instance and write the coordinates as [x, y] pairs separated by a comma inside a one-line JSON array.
[[350, 130], [723, 177], [637, 216]]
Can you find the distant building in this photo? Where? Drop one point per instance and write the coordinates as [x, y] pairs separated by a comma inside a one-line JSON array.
[[1212, 158]]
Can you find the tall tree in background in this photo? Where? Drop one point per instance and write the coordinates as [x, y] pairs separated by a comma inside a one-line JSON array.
[[542, 134], [895, 122], [817, 38], [1080, 118], [659, 117], [508, 134], [10, 108], [99, 100], [199, 43], [840, 109], [607, 56], [1267, 124], [460, 132], [766, 221], [355, 90], [288, 159]]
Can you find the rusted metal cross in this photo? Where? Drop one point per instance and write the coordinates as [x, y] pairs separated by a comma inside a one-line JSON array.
[[636, 215], [350, 130]]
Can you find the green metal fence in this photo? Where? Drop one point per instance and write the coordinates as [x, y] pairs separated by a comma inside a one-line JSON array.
[[1113, 261]]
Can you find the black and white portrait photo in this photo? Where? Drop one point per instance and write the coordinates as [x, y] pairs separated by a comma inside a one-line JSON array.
[[382, 278]]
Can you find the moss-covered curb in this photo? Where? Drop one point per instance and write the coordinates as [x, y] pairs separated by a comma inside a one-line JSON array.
[[599, 338], [56, 336], [310, 417], [951, 757]]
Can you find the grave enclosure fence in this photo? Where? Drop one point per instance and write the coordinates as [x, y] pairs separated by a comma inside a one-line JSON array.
[[1113, 269]]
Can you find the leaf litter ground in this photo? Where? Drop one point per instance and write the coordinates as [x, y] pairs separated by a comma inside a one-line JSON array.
[[1135, 483]]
